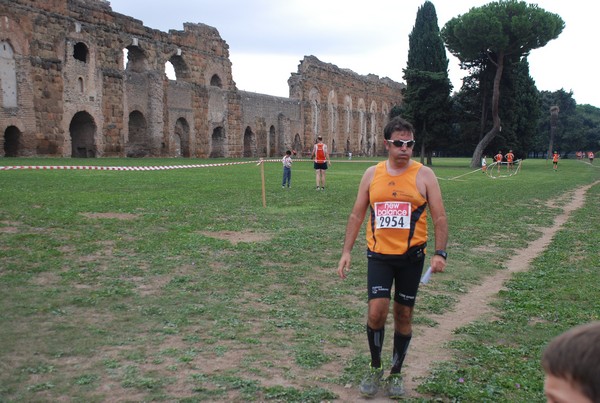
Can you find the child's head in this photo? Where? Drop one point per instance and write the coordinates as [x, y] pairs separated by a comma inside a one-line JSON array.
[[288, 152], [572, 365]]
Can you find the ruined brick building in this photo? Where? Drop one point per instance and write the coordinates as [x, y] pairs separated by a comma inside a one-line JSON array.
[[80, 80]]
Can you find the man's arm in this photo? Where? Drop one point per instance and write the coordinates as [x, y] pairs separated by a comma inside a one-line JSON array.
[[355, 221], [438, 216]]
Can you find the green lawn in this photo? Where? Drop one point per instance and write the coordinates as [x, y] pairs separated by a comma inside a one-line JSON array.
[[178, 285]]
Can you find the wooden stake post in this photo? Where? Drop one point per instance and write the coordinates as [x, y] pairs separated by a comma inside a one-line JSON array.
[[262, 177]]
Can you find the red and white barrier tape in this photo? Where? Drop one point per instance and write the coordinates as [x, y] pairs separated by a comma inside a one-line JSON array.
[[124, 168]]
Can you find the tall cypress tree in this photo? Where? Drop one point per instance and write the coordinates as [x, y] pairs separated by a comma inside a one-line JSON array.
[[427, 93]]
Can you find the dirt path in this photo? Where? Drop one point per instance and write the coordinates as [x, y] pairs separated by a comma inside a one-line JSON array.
[[429, 344]]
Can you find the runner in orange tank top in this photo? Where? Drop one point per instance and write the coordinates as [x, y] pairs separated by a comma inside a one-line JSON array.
[[321, 162], [498, 158], [555, 158], [398, 192], [509, 159]]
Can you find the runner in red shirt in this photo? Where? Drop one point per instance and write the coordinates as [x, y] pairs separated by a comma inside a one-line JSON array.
[[321, 161], [510, 158], [555, 158], [498, 158]]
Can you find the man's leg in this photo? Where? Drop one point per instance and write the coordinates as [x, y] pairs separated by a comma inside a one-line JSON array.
[[378, 310], [402, 338]]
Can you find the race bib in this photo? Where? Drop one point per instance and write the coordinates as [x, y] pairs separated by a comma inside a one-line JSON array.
[[394, 215]]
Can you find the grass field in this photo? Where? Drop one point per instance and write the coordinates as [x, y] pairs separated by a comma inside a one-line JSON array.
[[178, 285]]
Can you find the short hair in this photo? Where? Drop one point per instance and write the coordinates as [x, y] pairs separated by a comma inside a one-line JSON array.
[[288, 152], [575, 357], [319, 137], [397, 124]]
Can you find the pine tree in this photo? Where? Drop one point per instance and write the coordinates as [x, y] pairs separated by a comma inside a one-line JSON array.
[[427, 93]]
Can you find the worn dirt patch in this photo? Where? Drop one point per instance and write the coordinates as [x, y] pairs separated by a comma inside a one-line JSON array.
[[118, 216], [238, 236]]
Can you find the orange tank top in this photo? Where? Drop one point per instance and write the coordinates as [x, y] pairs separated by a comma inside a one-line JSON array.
[[320, 153], [398, 214]]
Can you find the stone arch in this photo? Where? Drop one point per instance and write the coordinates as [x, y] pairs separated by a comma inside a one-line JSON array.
[[81, 52], [12, 141], [8, 75], [347, 114], [362, 127], [297, 144], [181, 138], [332, 112], [137, 144], [372, 143], [180, 67], [215, 81], [83, 132], [315, 103], [136, 59], [249, 143], [272, 142], [218, 143]]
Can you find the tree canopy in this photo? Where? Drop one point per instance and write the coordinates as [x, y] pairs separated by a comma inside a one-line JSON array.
[[503, 32]]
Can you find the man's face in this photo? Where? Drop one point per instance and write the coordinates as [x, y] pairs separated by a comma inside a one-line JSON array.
[[401, 155], [560, 390]]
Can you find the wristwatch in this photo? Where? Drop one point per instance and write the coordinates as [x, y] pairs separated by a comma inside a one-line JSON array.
[[441, 253]]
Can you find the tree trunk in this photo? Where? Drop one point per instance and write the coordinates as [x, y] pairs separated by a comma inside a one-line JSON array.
[[424, 139], [489, 136]]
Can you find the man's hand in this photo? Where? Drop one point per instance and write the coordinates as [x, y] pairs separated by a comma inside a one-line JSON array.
[[344, 265], [438, 264]]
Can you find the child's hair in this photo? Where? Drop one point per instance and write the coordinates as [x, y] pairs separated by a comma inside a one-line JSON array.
[[575, 357], [288, 152]]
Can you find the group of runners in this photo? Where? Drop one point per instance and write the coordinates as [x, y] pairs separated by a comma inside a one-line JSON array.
[[498, 159], [581, 155]]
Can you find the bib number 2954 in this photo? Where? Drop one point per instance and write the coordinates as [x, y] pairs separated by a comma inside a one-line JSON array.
[[394, 215]]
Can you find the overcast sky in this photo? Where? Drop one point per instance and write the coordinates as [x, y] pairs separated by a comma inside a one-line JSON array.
[[268, 38]]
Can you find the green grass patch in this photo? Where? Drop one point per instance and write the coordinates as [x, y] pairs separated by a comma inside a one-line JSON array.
[[179, 285]]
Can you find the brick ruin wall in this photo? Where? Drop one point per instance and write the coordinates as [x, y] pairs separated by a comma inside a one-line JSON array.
[[79, 80]]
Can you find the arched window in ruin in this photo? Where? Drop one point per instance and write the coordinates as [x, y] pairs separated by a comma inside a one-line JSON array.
[[332, 109], [297, 143], [362, 127], [215, 81], [83, 131], [80, 52], [8, 75], [315, 101], [80, 83], [138, 140], [181, 141], [176, 68], [218, 143], [135, 59], [348, 110], [12, 140], [373, 129], [170, 71], [249, 143], [272, 142]]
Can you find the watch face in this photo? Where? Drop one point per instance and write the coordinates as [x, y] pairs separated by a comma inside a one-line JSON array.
[[441, 253]]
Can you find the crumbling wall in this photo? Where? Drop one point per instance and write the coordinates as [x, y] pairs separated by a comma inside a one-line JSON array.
[[81, 80]]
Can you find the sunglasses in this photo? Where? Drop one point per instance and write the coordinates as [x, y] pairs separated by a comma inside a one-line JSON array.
[[400, 143]]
